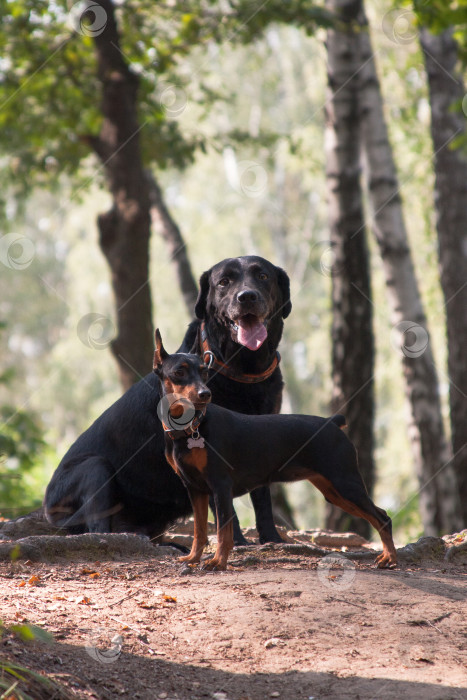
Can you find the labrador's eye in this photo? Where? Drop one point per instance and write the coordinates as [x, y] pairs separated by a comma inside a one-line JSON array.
[[224, 282], [263, 276]]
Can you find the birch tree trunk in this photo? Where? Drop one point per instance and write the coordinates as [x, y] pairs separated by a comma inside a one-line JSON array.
[[352, 332], [447, 122], [439, 502]]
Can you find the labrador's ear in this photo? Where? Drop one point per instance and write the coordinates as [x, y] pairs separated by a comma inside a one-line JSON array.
[[283, 282], [196, 347], [200, 306], [160, 353]]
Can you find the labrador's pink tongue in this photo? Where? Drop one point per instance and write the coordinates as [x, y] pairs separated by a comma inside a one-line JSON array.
[[251, 333]]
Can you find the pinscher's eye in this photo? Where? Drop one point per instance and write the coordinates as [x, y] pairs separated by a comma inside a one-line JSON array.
[[263, 276], [204, 374], [223, 282], [179, 373]]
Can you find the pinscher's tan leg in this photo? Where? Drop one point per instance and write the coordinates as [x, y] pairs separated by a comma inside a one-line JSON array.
[[200, 503], [379, 519], [225, 543], [388, 558]]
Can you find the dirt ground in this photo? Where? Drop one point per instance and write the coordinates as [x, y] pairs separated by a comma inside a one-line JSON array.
[[276, 624]]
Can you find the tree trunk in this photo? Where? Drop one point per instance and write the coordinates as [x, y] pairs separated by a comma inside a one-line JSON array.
[[446, 88], [172, 235], [125, 229], [439, 501], [352, 332]]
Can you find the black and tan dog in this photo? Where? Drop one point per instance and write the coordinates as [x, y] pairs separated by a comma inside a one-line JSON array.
[[220, 452], [115, 476]]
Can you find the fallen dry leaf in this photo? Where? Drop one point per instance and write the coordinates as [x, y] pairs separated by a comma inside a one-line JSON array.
[[21, 584], [83, 600], [34, 580], [169, 598]]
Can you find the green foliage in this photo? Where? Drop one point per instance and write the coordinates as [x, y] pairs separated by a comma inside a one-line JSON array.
[[439, 15], [225, 81], [49, 89], [21, 437], [406, 519], [21, 444], [31, 633], [17, 681], [21, 683]]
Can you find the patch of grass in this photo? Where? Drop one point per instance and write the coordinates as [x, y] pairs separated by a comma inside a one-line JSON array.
[[20, 683]]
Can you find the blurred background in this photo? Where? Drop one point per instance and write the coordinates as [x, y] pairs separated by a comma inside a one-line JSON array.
[[242, 137]]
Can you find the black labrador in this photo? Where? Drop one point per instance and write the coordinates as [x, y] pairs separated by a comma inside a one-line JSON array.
[[115, 476]]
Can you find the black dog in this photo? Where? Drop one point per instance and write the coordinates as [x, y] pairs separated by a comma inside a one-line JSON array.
[[220, 452], [115, 476]]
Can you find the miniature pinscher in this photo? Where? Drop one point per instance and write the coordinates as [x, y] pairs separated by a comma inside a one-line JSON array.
[[227, 454]]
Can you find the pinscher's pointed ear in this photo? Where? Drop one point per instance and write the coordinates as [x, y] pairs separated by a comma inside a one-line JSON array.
[[159, 353], [196, 347]]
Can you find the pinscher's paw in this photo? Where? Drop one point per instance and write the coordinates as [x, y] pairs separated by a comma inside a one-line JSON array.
[[386, 561], [214, 565], [189, 559]]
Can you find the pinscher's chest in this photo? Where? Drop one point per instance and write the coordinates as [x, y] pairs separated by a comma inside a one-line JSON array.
[[190, 463]]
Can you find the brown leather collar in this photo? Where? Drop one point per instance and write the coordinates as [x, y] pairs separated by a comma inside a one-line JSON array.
[[224, 369]]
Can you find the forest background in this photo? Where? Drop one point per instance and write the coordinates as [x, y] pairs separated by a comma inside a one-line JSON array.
[[233, 125]]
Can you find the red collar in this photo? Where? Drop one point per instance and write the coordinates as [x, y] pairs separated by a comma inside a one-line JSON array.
[[224, 369]]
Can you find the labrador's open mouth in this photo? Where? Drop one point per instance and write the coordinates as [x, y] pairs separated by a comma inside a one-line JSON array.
[[251, 331]]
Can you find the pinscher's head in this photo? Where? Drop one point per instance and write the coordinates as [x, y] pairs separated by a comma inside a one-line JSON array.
[[182, 376]]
